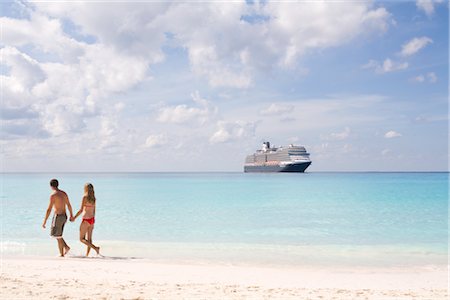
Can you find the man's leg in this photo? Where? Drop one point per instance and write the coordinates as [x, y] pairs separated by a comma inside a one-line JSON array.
[[66, 247], [60, 246]]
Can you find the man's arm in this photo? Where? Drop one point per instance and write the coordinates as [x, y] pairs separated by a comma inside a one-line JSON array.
[[69, 206], [49, 210]]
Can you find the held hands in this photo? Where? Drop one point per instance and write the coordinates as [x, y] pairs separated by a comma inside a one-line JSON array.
[[72, 219]]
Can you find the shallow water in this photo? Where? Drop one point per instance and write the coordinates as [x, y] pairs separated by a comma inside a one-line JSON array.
[[311, 218]]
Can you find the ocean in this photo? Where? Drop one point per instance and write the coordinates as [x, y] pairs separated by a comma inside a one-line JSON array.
[[350, 219]]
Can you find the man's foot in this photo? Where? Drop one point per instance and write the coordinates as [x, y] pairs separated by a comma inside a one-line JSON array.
[[66, 250]]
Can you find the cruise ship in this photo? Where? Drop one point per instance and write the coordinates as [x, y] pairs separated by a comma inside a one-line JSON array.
[[281, 159]]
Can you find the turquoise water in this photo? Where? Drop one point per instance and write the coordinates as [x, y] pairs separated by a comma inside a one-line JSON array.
[[349, 218]]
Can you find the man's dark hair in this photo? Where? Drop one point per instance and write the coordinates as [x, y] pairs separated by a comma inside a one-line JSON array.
[[54, 183]]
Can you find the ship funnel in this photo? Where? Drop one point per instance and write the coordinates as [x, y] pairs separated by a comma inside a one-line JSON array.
[[266, 146]]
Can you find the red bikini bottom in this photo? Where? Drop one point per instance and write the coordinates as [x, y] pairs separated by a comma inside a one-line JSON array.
[[91, 221]]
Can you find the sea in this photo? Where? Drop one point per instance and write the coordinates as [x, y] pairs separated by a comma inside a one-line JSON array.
[[280, 219]]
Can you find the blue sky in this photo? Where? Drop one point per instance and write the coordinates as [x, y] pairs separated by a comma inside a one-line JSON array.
[[196, 87]]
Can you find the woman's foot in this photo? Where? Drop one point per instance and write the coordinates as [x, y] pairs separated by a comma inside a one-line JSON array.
[[97, 250], [66, 250]]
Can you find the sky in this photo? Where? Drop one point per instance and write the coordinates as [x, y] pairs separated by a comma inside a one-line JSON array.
[[184, 86]]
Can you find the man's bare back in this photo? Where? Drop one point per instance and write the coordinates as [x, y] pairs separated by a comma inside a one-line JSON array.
[[60, 200]]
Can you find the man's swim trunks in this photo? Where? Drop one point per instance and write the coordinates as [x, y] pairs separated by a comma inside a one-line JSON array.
[[58, 225]]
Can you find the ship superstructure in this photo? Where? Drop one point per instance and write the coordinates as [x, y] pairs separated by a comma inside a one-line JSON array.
[[278, 159]]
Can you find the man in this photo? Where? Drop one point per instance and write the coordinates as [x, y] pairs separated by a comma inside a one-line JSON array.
[[58, 201]]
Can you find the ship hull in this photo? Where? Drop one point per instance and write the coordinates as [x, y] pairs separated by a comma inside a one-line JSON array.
[[294, 168]]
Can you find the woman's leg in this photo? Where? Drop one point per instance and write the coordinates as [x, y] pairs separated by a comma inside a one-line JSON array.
[[83, 230], [89, 238]]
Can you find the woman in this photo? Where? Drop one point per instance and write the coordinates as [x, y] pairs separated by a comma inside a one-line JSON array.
[[87, 225]]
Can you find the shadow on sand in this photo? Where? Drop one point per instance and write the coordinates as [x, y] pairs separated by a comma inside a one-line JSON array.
[[103, 257]]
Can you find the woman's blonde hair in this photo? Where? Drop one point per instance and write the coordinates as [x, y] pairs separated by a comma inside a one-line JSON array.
[[89, 192]]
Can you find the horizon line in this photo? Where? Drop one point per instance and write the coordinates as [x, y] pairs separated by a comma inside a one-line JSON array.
[[240, 172]]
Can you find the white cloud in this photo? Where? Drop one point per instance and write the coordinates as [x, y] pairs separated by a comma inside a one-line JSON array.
[[63, 116], [119, 106], [22, 128], [415, 45], [125, 27], [430, 77], [428, 6], [387, 66], [183, 113], [121, 53], [392, 134], [276, 109], [418, 79], [61, 80], [205, 62], [228, 131], [321, 25], [156, 140], [108, 126], [44, 33], [242, 48], [337, 136], [25, 69], [435, 118], [293, 139], [385, 152]]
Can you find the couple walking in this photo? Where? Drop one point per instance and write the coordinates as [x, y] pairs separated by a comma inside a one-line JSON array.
[[59, 201]]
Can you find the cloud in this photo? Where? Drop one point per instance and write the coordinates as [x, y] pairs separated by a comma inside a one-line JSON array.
[[385, 152], [231, 58], [322, 26], [435, 118], [229, 131], [387, 66], [183, 113], [62, 81], [427, 6], [11, 113], [43, 33], [415, 45], [293, 139], [337, 136], [22, 129], [65, 118], [25, 69], [430, 77], [276, 109], [156, 140], [124, 27], [392, 134], [419, 79]]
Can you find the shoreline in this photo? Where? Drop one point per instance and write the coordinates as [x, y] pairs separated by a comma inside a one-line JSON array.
[[120, 277], [249, 254]]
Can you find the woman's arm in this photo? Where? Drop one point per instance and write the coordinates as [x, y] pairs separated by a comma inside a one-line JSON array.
[[81, 209]]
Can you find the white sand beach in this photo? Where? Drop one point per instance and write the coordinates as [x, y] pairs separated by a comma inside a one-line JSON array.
[[27, 277]]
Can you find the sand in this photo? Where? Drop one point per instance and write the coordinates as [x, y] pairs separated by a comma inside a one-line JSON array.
[[25, 277]]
